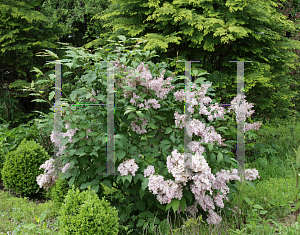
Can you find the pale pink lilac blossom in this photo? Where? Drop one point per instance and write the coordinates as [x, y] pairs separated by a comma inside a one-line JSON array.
[[94, 94], [47, 179], [128, 166]]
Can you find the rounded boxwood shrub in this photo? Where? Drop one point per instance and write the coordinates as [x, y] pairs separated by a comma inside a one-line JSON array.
[[84, 213], [21, 168], [58, 192]]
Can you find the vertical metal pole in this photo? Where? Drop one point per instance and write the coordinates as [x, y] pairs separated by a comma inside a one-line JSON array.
[[57, 115], [240, 152]]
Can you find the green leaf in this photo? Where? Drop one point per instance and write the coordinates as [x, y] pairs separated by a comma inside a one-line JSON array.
[[81, 134], [183, 203], [166, 147], [71, 181], [168, 130], [164, 142], [43, 215], [140, 114], [120, 154], [122, 38], [210, 146], [220, 157], [40, 101], [88, 96], [175, 204], [152, 126], [161, 207], [250, 184], [41, 81], [145, 183], [140, 223], [140, 205], [84, 185], [44, 227], [82, 177], [258, 207], [213, 157], [128, 177], [158, 117], [80, 152], [128, 110], [51, 95], [30, 226], [95, 182], [131, 115], [107, 183], [142, 193], [95, 188], [247, 200], [172, 138]]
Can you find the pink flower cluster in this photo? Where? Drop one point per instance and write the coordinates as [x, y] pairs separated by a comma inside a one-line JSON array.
[[47, 179], [94, 94], [128, 166], [157, 85], [70, 133], [203, 179]]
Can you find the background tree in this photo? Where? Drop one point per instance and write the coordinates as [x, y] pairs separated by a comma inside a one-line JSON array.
[[75, 18], [29, 27], [292, 10], [23, 32], [216, 32]]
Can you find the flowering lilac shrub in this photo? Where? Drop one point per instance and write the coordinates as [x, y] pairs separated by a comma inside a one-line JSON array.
[[148, 167]]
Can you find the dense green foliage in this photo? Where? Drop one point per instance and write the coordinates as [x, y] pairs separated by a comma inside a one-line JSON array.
[[85, 213], [214, 33], [21, 168], [24, 32], [75, 18]]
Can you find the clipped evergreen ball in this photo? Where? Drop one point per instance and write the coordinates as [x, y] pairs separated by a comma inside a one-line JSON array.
[[21, 168], [58, 192], [84, 213]]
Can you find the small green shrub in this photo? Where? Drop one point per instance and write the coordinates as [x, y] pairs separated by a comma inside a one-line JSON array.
[[84, 213], [58, 192], [21, 168]]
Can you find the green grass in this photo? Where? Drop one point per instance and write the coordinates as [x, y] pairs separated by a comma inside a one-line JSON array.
[[274, 193]]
